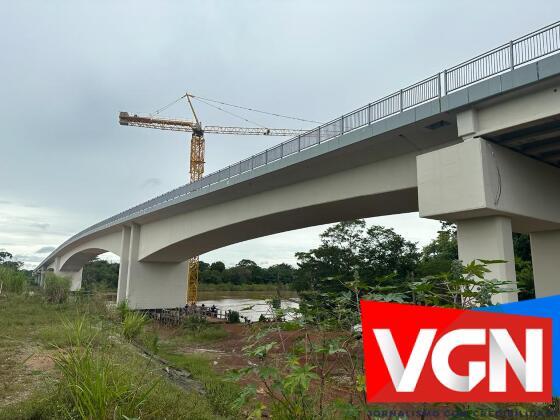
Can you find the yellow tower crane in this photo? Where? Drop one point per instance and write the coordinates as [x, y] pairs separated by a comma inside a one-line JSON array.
[[197, 156]]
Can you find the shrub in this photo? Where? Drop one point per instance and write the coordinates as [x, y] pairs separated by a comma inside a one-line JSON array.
[[57, 288], [195, 323], [133, 324], [123, 309], [233, 317], [12, 280]]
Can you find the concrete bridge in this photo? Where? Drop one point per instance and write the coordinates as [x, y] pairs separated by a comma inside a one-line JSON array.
[[477, 144]]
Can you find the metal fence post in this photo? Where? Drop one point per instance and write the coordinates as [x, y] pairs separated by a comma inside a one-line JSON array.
[[445, 82], [439, 84], [511, 63], [319, 135], [299, 143], [369, 114], [400, 100], [342, 125]]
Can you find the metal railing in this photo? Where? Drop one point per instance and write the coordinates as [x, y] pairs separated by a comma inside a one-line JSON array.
[[504, 58]]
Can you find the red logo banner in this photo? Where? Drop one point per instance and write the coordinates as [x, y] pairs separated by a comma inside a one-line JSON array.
[[427, 354]]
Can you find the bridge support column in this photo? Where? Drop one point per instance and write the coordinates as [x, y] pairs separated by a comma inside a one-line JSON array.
[[545, 251], [151, 285], [488, 191], [123, 267], [75, 277], [490, 238]]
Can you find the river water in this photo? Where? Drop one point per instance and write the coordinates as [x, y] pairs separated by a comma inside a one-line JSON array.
[[250, 304]]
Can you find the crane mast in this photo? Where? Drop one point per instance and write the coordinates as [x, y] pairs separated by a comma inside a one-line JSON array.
[[196, 170]]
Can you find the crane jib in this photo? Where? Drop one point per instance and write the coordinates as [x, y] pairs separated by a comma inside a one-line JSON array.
[[174, 124]]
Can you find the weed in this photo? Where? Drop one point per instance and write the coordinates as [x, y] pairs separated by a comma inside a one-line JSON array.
[[133, 324], [98, 388], [123, 309], [79, 331], [195, 323]]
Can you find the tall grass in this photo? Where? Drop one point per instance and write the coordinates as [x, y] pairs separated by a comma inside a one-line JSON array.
[[79, 332], [12, 280], [98, 388], [57, 288], [133, 324], [123, 309]]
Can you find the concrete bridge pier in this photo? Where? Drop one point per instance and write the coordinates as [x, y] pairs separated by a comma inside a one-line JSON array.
[[148, 285], [545, 251], [490, 238], [489, 192], [75, 276]]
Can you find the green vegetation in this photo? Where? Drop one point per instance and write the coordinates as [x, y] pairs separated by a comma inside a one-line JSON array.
[[233, 317], [100, 275], [72, 358], [12, 280], [133, 324], [298, 378], [98, 387], [57, 288], [246, 275], [380, 258], [219, 393], [123, 310]]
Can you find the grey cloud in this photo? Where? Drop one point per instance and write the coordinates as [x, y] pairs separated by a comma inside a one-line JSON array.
[[42, 226], [151, 182], [45, 250], [28, 258]]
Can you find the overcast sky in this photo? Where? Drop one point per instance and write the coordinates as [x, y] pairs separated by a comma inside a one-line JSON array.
[[68, 67]]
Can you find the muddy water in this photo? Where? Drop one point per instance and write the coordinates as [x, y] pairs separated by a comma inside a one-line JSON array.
[[250, 304]]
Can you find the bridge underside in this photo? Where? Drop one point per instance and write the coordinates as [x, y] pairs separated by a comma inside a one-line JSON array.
[[395, 202]]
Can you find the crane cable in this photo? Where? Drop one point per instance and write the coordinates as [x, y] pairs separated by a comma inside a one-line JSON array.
[[230, 113], [254, 110], [163, 108], [206, 100]]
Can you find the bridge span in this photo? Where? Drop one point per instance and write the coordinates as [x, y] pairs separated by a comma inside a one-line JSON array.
[[477, 144]]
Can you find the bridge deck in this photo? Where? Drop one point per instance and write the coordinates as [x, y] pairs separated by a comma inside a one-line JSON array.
[[432, 103]]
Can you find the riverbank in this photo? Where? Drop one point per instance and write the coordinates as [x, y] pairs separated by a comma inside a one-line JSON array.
[[201, 369], [38, 341]]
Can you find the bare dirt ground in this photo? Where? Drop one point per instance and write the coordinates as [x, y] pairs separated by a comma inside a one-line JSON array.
[[22, 368]]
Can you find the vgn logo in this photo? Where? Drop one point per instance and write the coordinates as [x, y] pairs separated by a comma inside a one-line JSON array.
[[425, 354]]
